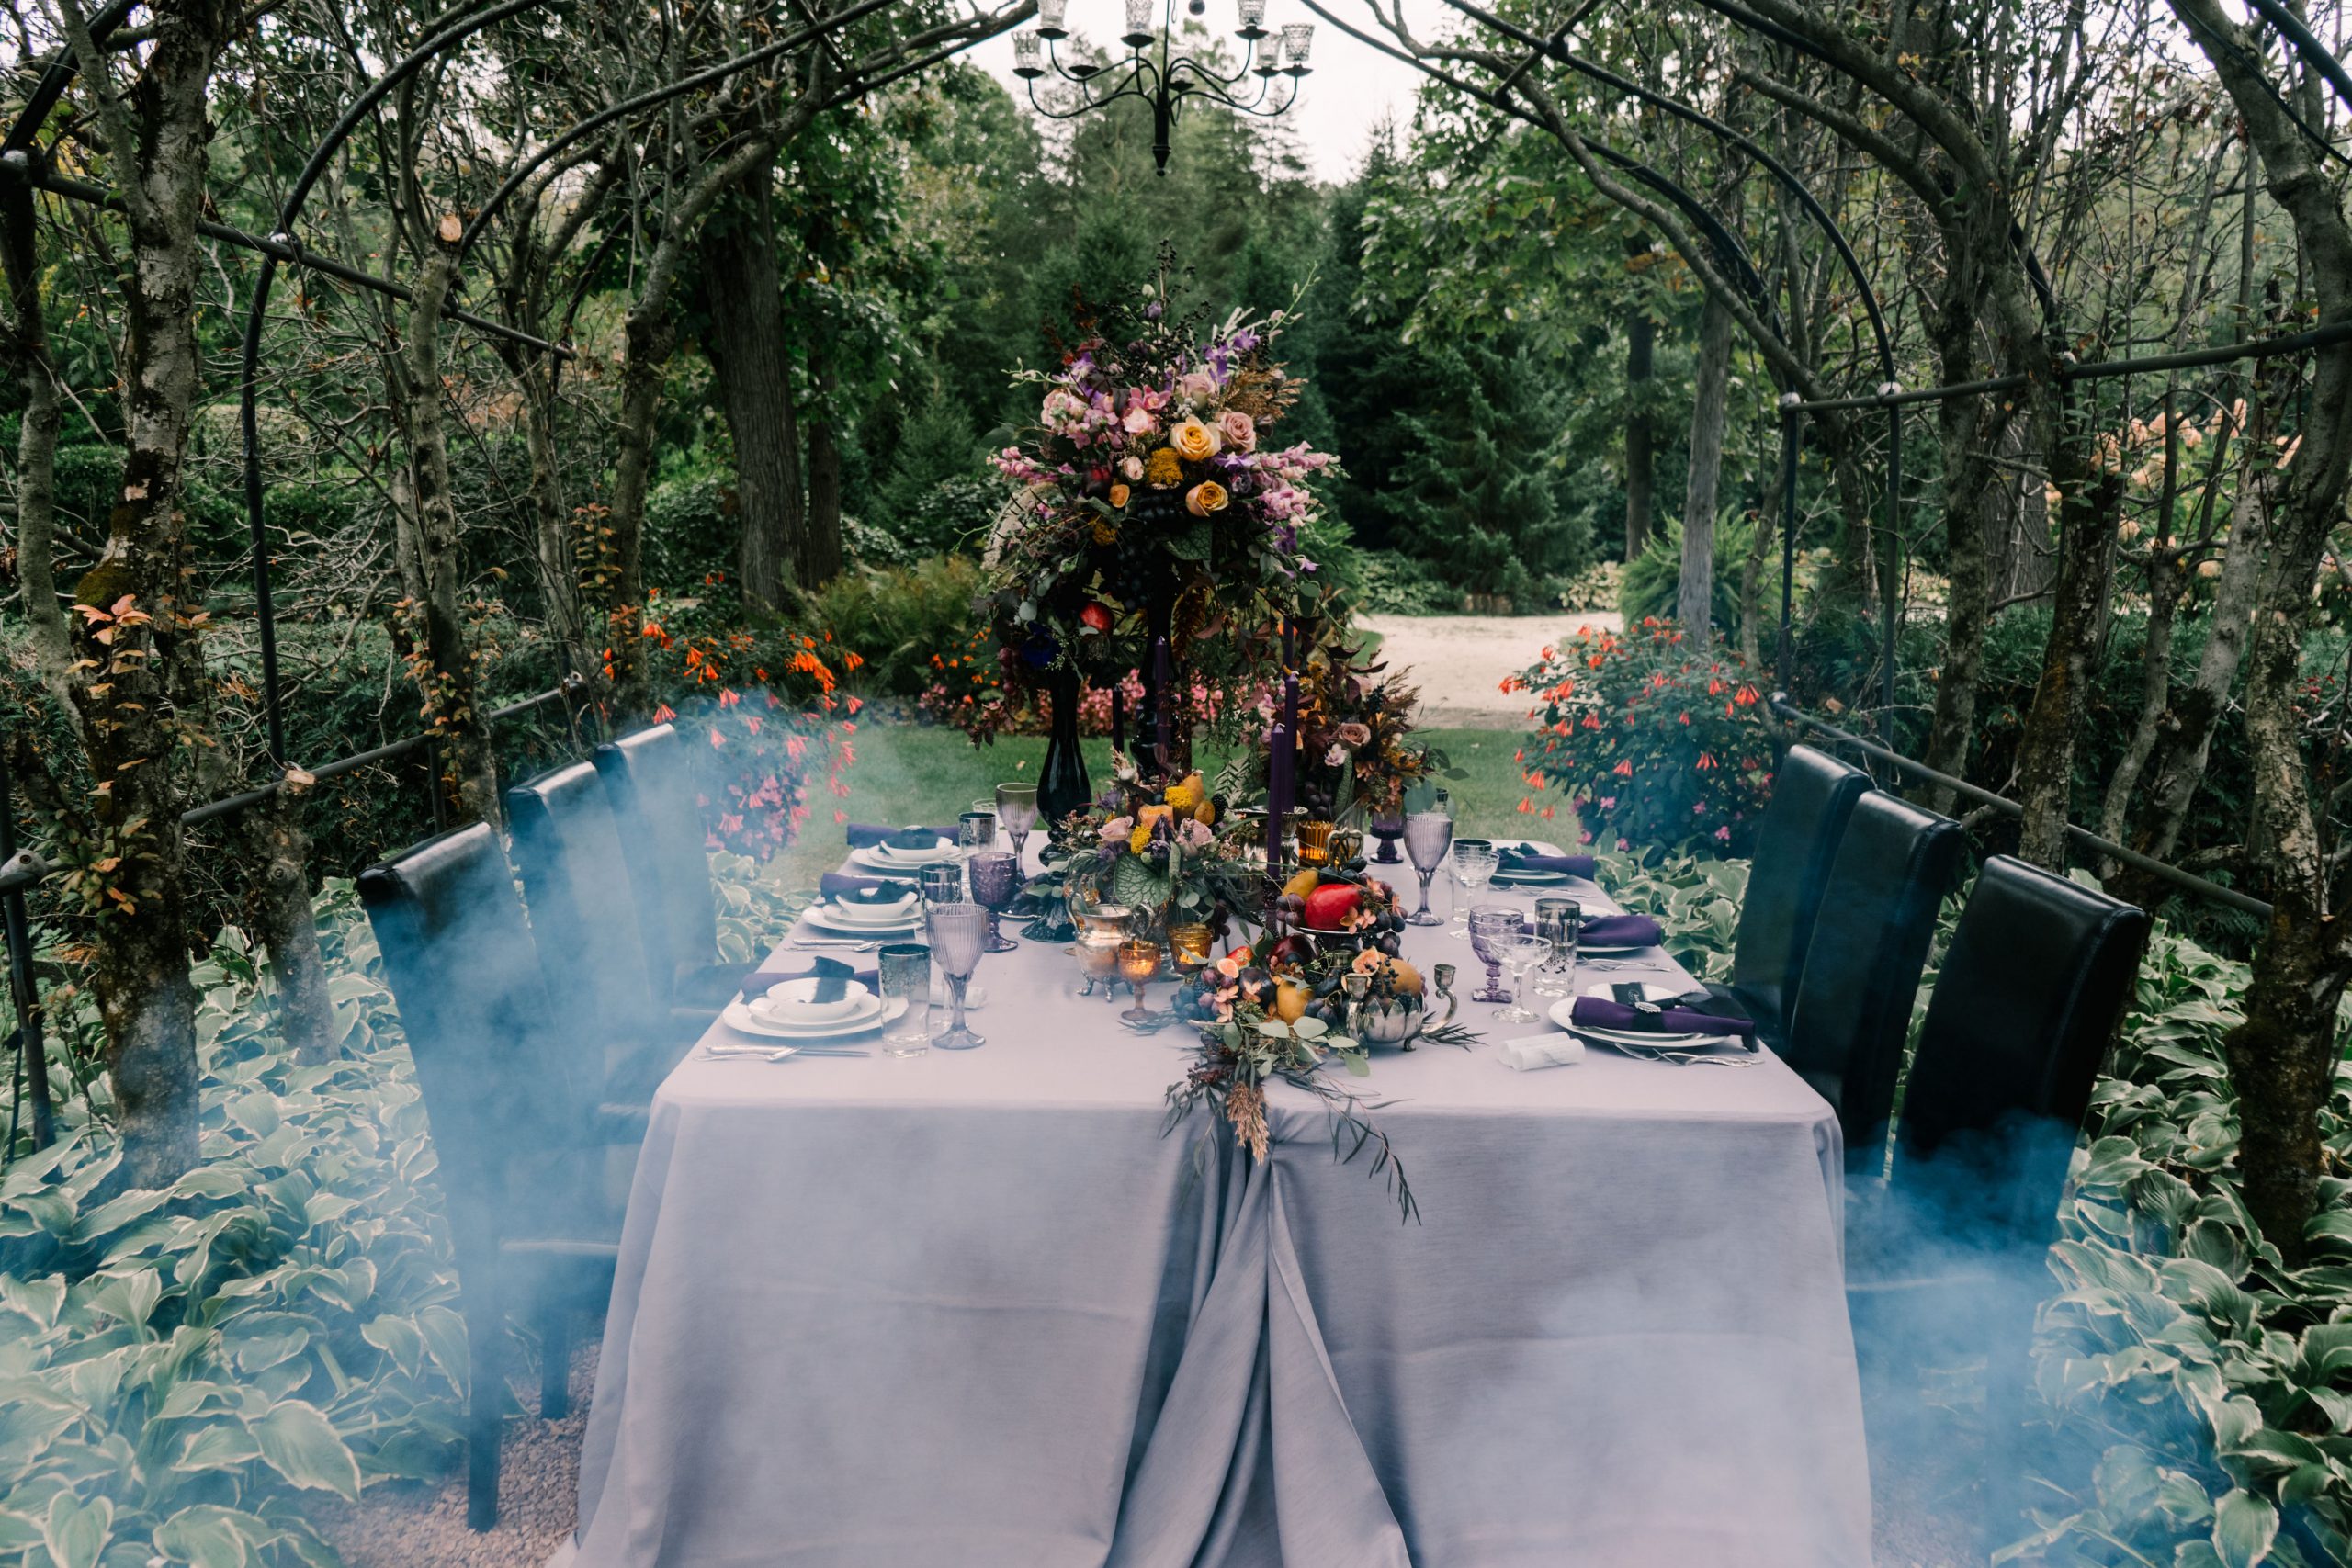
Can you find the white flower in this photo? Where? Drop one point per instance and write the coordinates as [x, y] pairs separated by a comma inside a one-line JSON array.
[[1337, 755], [1027, 613]]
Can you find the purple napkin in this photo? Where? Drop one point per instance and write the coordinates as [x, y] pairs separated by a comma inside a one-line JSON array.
[[1600, 1012], [1524, 860], [866, 835], [870, 890], [1620, 931], [832, 977]]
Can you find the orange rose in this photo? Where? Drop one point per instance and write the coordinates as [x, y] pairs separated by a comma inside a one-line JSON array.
[[1194, 441], [1204, 498]]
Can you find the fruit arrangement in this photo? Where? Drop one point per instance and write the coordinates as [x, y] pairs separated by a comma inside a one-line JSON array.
[[1376, 995], [1316, 907]]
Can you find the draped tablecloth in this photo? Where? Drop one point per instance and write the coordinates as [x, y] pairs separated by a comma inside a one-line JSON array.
[[974, 1309]]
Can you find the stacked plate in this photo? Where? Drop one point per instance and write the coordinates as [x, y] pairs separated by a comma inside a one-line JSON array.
[[1633, 1042], [895, 916], [790, 1012], [892, 861]]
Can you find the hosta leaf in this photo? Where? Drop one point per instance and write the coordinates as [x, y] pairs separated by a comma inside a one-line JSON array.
[[2244, 1528], [17, 1531], [37, 1299], [301, 1445], [75, 1532], [207, 1536]]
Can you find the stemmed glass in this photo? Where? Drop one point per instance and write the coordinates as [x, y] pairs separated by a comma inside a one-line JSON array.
[[1520, 954], [1016, 813], [996, 883], [1473, 866], [1428, 835], [1491, 925], [958, 936], [1138, 967]]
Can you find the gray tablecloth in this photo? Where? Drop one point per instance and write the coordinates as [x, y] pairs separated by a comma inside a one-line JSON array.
[[974, 1309]]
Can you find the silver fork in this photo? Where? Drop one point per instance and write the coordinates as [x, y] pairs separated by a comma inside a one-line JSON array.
[[846, 943], [775, 1054]]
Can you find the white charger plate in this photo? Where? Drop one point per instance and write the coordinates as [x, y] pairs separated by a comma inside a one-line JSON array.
[[940, 851], [1562, 1012], [835, 912], [740, 1018]]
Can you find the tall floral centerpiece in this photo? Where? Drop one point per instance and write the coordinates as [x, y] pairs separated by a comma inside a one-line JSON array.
[[1158, 518]]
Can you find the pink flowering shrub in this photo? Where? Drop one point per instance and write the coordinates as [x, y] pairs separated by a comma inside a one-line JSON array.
[[1656, 742]]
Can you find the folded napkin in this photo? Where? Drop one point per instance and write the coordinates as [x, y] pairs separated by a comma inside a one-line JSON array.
[[1542, 1050], [1514, 861], [1600, 1012], [866, 835], [867, 891], [1620, 931], [833, 978]]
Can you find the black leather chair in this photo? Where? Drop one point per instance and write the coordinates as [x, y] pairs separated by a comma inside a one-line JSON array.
[[518, 1160], [1852, 1014], [651, 787], [1946, 1256], [567, 844], [1812, 796]]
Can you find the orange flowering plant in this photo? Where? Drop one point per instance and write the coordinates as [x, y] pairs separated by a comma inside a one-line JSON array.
[[772, 719], [1656, 742]]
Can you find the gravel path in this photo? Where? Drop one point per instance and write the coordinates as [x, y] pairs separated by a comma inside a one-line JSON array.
[[1459, 661]]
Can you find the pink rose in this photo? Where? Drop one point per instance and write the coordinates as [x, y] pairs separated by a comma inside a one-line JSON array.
[[1139, 421], [1196, 386], [1116, 831], [1132, 467], [1241, 430], [1353, 734]]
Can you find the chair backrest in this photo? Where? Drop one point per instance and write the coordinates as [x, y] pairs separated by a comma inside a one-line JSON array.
[[1852, 1012], [1813, 794], [458, 957], [567, 843], [2035, 981], [651, 788]]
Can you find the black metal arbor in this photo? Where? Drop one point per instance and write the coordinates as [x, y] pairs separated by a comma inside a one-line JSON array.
[[26, 170]]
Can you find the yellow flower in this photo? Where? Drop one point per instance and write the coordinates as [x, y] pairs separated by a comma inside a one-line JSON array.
[[1140, 840], [1194, 441], [1118, 495], [1204, 498], [1105, 531], [1184, 795], [1163, 470]]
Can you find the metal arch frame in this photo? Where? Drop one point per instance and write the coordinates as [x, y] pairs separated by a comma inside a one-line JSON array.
[[1792, 411]]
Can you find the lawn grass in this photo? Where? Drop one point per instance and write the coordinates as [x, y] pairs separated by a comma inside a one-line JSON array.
[[908, 773]]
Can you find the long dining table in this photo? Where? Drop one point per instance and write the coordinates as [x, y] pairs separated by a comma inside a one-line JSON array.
[[990, 1309]]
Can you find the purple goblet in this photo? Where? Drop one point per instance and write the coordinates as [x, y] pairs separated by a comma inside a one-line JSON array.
[[1491, 926], [996, 883]]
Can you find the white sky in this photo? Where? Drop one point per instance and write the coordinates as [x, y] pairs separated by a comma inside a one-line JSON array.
[[1349, 90]]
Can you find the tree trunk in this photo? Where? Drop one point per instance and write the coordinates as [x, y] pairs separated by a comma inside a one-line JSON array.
[[447, 675], [650, 343], [820, 544], [1709, 404], [1640, 462], [134, 627], [558, 546], [1760, 543], [53, 638], [753, 364], [278, 907]]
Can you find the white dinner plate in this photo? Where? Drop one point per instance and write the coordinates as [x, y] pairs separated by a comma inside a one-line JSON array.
[[871, 861], [836, 912], [790, 1003], [739, 1017], [940, 850], [817, 919], [1562, 1012]]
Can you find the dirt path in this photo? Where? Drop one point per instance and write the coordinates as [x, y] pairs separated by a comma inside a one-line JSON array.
[[1459, 661]]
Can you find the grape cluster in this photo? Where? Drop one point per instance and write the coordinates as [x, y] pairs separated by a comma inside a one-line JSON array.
[[1131, 575]]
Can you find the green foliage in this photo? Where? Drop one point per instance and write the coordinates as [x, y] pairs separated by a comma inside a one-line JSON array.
[[899, 619], [1652, 582], [1397, 584], [1655, 743], [690, 528], [939, 496]]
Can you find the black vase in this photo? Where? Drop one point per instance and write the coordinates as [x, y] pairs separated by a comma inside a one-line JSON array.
[[1061, 779]]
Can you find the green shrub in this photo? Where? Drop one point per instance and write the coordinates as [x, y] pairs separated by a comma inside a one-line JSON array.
[[1657, 744], [1397, 584], [1653, 580], [897, 617], [691, 530]]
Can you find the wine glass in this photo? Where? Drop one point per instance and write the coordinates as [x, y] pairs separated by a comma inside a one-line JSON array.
[[1492, 925], [1520, 954], [958, 935], [1473, 866], [1016, 812], [1428, 835], [1138, 967], [996, 883]]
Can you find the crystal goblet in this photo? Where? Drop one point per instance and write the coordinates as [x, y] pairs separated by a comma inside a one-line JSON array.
[[958, 936], [996, 883], [1491, 925], [1473, 861], [1138, 967], [1387, 829], [1016, 812], [1428, 835], [1520, 954]]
